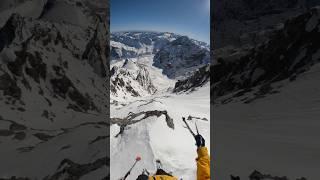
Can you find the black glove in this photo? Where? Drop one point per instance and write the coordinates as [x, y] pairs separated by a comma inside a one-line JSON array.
[[142, 177], [200, 142]]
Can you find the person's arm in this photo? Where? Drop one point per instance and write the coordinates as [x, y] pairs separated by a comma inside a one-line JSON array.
[[203, 164], [203, 160]]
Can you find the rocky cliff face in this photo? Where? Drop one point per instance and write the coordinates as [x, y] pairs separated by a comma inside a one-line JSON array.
[[135, 54], [131, 79], [197, 80], [53, 91], [248, 23], [133, 44], [180, 56], [290, 52]]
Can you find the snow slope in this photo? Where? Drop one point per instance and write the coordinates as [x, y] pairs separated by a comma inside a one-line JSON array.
[[153, 139], [266, 104], [275, 135]]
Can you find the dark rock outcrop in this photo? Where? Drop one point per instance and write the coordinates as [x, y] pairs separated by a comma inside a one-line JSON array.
[[72, 170], [256, 175], [130, 119], [198, 79], [290, 52], [8, 31], [181, 56], [95, 51], [9, 86], [241, 23]]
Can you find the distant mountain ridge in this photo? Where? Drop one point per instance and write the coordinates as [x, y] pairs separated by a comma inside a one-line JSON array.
[[179, 57], [130, 44]]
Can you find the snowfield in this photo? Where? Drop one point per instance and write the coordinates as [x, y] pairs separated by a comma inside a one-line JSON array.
[[275, 135], [152, 138]]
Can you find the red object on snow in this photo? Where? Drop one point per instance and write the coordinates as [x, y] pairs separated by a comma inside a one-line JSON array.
[[138, 158]]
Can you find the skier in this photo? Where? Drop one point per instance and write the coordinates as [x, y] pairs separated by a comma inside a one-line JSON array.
[[203, 165]]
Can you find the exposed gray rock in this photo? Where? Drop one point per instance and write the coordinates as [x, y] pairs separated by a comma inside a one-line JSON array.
[[130, 119], [71, 170], [241, 23], [198, 79], [181, 56], [290, 52], [256, 175]]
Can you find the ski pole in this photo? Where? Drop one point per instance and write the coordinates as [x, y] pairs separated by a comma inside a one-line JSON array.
[[138, 158], [195, 123], [188, 127]]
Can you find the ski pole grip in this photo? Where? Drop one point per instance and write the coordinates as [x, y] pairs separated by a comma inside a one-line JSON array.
[[138, 158]]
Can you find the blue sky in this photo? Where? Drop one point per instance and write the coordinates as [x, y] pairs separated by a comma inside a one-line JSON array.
[[186, 17]]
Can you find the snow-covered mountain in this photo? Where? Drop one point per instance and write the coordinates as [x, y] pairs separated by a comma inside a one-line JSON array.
[[288, 53], [54, 97], [53, 91], [131, 78], [181, 56], [146, 108], [266, 102], [196, 80], [164, 45], [141, 60], [135, 43]]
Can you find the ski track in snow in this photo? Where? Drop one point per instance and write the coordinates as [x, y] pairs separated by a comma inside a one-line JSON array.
[[152, 138]]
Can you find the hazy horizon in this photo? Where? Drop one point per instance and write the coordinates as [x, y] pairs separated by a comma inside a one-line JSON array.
[[159, 32], [184, 17]]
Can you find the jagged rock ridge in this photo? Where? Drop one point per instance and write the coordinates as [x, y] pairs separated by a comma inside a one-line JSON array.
[[198, 79], [131, 79], [53, 90], [241, 23], [134, 43], [180, 56], [290, 52]]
